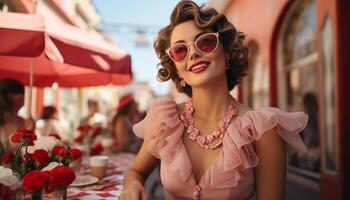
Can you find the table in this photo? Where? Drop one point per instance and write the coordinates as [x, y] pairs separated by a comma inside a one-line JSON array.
[[108, 188]]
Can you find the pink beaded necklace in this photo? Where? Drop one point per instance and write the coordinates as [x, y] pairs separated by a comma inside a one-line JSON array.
[[205, 141]]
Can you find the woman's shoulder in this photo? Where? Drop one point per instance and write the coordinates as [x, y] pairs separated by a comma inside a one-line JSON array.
[[162, 104]]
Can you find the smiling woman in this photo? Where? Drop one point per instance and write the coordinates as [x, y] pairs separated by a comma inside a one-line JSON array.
[[215, 27], [211, 146]]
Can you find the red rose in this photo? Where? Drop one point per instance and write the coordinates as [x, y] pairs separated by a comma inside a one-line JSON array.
[[75, 154], [34, 181], [24, 135], [96, 131], [24, 131], [78, 139], [96, 149], [41, 156], [63, 153], [60, 177], [8, 157], [31, 138], [57, 149], [16, 138]]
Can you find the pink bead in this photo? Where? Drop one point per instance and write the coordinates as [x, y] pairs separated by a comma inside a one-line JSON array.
[[190, 129], [216, 133], [193, 135], [200, 139], [221, 124], [210, 138], [227, 119]]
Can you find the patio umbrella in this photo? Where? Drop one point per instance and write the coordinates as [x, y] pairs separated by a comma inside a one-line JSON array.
[[21, 39], [46, 72], [60, 42], [60, 47]]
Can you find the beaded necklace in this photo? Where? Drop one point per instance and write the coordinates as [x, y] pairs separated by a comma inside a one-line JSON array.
[[195, 135]]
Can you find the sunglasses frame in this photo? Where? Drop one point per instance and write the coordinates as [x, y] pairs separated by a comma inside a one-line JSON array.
[[195, 45]]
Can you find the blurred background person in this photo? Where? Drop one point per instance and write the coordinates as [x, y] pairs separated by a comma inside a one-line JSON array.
[[49, 123], [121, 128], [11, 100], [94, 117]]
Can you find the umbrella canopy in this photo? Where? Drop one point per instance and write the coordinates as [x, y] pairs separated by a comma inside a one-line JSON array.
[[21, 35], [46, 72], [73, 44], [29, 35]]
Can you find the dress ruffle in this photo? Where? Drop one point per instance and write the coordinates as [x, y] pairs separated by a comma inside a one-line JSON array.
[[162, 131]]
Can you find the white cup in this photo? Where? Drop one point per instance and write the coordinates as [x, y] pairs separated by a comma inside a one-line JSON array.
[[98, 166]]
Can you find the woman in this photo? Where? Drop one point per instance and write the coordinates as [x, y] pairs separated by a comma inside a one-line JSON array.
[[126, 116], [50, 124], [211, 147], [11, 100]]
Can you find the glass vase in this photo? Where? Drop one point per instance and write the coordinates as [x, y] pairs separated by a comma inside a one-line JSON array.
[[54, 195]]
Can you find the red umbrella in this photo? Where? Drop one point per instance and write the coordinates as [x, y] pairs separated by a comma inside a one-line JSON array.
[[47, 72], [61, 43], [58, 45], [21, 39]]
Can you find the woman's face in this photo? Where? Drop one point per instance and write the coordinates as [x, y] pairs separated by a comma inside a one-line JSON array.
[[198, 68]]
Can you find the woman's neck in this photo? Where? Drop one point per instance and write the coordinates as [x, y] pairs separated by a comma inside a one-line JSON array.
[[210, 103]]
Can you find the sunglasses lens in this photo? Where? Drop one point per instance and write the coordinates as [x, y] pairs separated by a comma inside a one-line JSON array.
[[207, 43], [178, 52]]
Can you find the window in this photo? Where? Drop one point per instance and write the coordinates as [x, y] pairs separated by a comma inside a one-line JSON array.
[[297, 77], [256, 84], [328, 96]]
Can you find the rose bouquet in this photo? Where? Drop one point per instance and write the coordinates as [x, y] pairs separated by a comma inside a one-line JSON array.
[[41, 163], [86, 138], [87, 133]]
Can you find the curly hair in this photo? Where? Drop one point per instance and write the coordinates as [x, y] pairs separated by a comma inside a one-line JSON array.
[[204, 18]]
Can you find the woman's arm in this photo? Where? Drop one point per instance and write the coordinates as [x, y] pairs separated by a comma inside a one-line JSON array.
[[270, 174], [134, 179]]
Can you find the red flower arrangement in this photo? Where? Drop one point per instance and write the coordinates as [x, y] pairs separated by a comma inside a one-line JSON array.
[[87, 132], [96, 150], [87, 136], [28, 166]]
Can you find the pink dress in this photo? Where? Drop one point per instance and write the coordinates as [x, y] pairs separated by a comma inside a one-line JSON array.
[[230, 176]]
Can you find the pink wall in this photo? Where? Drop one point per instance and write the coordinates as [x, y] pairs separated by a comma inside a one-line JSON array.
[[257, 19]]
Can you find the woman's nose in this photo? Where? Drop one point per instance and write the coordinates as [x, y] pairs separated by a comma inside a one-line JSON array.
[[193, 52]]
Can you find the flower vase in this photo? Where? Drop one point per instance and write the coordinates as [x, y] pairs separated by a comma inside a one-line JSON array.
[[20, 195], [86, 152], [55, 195]]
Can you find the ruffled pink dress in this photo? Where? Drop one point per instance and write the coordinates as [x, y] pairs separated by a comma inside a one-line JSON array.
[[230, 176]]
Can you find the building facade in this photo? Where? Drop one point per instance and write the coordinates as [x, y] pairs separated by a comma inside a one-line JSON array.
[[298, 62]]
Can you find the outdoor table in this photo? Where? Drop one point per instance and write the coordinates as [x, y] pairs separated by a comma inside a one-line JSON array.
[[118, 164]]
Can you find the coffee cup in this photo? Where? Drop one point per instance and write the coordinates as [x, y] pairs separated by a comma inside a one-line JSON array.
[[98, 166]]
